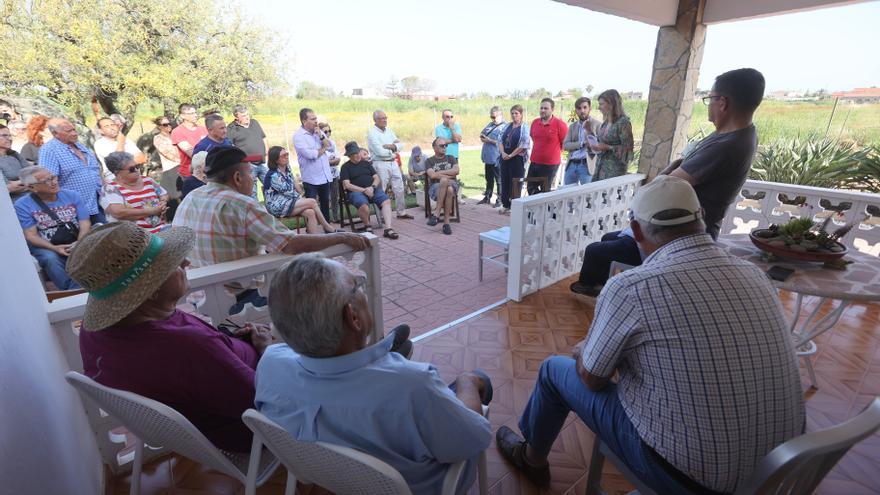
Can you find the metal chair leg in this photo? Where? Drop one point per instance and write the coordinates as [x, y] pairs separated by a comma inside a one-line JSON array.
[[594, 477]]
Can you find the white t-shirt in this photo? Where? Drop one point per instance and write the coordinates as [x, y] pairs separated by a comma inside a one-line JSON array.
[[105, 146]]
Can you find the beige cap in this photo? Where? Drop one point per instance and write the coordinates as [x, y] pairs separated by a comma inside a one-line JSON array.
[[666, 193]]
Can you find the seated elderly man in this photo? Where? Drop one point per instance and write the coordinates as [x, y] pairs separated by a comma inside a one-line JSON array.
[[53, 219], [362, 182], [134, 338], [326, 384], [442, 170], [230, 225], [708, 380]]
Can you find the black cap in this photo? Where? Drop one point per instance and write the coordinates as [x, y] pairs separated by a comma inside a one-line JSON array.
[[223, 157], [352, 148]]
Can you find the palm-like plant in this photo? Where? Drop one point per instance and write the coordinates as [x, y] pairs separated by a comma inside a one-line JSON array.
[[811, 161]]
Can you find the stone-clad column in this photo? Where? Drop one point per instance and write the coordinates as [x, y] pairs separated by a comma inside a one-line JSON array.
[[677, 59]]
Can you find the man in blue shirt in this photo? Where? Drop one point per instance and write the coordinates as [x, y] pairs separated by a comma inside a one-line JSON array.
[[325, 384], [216, 134], [76, 166], [490, 154], [449, 133]]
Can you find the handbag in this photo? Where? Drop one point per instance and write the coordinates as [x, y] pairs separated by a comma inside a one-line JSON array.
[[66, 232]]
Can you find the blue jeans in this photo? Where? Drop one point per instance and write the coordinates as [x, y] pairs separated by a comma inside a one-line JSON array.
[[55, 267], [559, 390], [259, 171], [577, 173], [359, 199]]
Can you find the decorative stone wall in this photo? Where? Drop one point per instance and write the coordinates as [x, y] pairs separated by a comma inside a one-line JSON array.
[[677, 60]]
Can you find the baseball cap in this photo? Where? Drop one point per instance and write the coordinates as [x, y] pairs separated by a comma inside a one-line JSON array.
[[666, 193]]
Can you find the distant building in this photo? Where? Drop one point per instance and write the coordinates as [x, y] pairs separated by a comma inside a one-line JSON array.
[[368, 93], [633, 95], [859, 95]]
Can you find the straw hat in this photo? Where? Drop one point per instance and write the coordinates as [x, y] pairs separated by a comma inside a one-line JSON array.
[[121, 265]]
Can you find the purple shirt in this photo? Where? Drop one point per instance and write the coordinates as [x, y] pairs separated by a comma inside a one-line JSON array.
[[313, 168], [184, 363]]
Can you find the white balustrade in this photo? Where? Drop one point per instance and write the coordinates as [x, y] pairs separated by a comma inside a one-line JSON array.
[[549, 232], [210, 298], [763, 203]]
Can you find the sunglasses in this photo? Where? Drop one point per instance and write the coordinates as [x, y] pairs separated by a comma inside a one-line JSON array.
[[132, 170], [441, 145], [165, 124], [327, 131]]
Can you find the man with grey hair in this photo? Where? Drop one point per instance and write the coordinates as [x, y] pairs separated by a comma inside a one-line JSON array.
[[52, 220], [385, 151], [325, 383], [216, 134], [76, 166], [491, 156], [699, 341], [247, 134]]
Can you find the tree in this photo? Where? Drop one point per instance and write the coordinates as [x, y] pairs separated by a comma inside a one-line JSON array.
[[127, 51], [411, 85], [539, 93], [392, 87], [311, 91], [575, 92]]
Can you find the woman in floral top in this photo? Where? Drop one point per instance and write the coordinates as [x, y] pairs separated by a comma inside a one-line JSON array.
[[284, 195], [615, 137]]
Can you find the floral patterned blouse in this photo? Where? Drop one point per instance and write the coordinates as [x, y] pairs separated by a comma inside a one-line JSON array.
[[280, 192], [618, 135]]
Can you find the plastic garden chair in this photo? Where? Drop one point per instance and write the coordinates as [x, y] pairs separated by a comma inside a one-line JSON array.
[[336, 468], [797, 466], [157, 424]]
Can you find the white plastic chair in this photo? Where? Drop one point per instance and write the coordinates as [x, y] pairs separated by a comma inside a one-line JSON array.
[[339, 469], [157, 424], [797, 466]]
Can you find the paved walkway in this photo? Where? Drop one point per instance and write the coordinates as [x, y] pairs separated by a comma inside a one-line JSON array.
[[430, 279]]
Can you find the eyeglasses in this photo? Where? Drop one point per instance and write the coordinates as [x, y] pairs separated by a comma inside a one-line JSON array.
[[360, 282], [165, 124], [134, 169], [708, 99], [47, 180]]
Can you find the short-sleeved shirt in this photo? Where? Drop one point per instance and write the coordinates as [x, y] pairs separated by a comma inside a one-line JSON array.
[[547, 140], [720, 165], [184, 363], [489, 153], [377, 402], [207, 143], [438, 163], [191, 136], [84, 177], [249, 139], [708, 374], [360, 174], [148, 197], [10, 164], [416, 166], [104, 146], [441, 131], [228, 225], [68, 207]]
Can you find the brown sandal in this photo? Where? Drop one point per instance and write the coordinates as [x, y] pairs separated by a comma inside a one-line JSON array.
[[391, 234]]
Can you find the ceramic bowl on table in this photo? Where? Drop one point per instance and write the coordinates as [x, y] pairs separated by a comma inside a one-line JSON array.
[[782, 251]]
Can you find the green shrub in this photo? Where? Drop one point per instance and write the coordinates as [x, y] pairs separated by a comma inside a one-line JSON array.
[[811, 161]]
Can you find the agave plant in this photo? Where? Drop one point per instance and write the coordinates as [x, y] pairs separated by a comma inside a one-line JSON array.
[[811, 161], [867, 177]]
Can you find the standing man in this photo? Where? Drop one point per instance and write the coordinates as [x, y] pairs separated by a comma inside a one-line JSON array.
[[491, 155], [76, 166], [112, 139], [247, 134], [186, 136], [547, 133], [581, 159], [11, 164], [216, 134], [449, 133], [385, 148], [312, 147]]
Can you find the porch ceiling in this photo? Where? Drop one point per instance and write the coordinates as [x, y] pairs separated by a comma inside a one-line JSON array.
[[663, 12]]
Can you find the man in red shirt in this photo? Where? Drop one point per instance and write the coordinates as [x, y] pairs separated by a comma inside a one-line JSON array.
[[547, 133], [186, 135]]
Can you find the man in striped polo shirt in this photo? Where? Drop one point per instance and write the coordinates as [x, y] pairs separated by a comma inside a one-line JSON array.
[[708, 381]]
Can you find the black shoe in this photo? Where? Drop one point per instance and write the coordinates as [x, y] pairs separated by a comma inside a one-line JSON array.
[[432, 220], [585, 290], [513, 448], [402, 345], [483, 201], [447, 229], [497, 203]]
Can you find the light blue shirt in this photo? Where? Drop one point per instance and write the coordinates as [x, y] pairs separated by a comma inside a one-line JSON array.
[[73, 173], [442, 131], [378, 402], [314, 168], [376, 138]]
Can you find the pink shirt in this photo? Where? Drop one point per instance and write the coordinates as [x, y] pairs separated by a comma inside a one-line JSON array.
[[184, 363]]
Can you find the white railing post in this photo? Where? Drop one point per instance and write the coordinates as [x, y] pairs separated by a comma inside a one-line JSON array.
[[549, 232]]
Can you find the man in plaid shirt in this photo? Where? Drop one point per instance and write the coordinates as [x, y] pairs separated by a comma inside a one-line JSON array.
[[230, 225], [708, 381]]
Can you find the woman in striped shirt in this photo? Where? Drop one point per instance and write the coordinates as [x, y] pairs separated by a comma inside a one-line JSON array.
[[131, 196]]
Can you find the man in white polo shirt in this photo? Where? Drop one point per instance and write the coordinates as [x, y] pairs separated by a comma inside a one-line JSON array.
[[384, 148]]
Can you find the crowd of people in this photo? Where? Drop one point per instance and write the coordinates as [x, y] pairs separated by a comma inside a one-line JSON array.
[[707, 380]]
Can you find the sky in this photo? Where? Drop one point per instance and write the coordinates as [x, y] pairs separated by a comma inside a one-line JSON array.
[[467, 46]]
